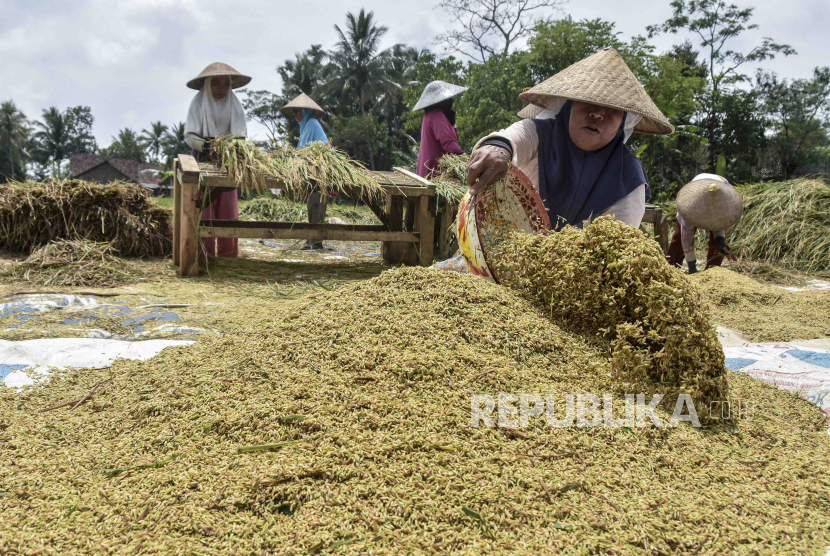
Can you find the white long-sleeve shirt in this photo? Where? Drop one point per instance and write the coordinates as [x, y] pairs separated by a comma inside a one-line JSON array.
[[525, 143]]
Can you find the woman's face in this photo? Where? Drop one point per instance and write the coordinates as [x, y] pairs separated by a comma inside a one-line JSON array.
[[592, 127], [298, 114], [219, 86]]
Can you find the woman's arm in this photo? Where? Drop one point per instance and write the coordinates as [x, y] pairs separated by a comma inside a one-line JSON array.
[[489, 161], [194, 141], [630, 209]]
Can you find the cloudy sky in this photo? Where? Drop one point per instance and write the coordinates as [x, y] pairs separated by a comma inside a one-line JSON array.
[[130, 59]]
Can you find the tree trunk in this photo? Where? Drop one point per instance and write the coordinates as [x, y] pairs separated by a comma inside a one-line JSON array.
[[368, 141]]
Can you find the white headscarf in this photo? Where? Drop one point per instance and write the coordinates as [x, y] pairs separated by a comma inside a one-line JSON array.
[[631, 120], [209, 117]]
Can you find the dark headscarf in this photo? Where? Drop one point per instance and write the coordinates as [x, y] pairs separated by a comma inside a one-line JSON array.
[[445, 106], [577, 185]]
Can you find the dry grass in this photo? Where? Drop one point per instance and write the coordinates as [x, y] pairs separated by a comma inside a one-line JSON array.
[[75, 263], [35, 214]]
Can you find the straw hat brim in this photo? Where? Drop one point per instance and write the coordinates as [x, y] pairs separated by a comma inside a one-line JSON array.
[[715, 210], [603, 79], [529, 112], [218, 69], [302, 101]]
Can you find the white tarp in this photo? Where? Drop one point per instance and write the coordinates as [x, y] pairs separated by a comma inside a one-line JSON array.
[[794, 367], [19, 359]]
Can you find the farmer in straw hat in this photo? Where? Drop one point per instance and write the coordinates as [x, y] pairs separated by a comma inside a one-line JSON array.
[[216, 111], [710, 203], [574, 150], [305, 111], [438, 133]]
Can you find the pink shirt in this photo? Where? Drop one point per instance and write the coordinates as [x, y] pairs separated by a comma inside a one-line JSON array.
[[438, 137]]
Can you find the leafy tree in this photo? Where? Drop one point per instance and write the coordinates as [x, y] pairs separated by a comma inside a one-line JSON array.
[[264, 107], [14, 133], [127, 145], [717, 25], [490, 27], [800, 113], [174, 144], [153, 140], [492, 101], [60, 135], [557, 44], [78, 121], [357, 68]]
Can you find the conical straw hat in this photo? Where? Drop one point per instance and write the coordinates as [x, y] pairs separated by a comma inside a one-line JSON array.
[[216, 69], [437, 91], [529, 112], [301, 101], [710, 204], [604, 79]]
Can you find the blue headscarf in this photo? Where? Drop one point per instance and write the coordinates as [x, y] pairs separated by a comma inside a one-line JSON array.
[[310, 129], [577, 185]]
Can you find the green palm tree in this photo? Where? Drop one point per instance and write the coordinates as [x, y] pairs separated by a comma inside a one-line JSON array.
[[356, 66], [51, 140], [127, 146], [14, 133], [153, 140]]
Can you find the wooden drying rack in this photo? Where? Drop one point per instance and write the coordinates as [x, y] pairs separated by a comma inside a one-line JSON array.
[[194, 183]]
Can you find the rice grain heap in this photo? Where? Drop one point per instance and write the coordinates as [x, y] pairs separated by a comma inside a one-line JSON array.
[[343, 424], [74, 263], [120, 213], [762, 312], [610, 281]]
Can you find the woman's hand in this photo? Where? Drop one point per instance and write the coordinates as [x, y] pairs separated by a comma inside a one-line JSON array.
[[488, 164]]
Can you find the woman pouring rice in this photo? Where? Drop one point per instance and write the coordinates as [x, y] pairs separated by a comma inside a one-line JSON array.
[[216, 111], [574, 151]]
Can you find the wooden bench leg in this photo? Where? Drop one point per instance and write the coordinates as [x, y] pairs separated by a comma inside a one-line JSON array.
[[397, 252], [189, 231], [177, 207], [426, 230]]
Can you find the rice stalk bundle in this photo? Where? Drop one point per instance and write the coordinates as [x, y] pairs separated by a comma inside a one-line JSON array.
[[119, 213], [322, 167], [785, 223], [342, 425], [450, 180], [610, 281], [74, 263], [246, 164]]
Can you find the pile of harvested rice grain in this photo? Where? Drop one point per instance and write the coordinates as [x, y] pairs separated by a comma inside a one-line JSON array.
[[34, 214], [74, 263], [762, 312], [612, 281], [363, 395]]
